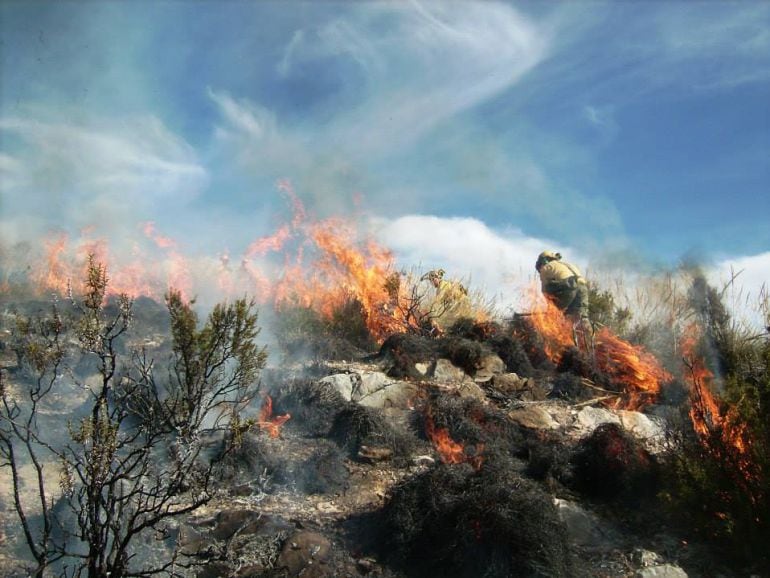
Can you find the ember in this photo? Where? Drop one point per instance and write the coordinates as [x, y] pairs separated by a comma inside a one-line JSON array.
[[268, 423], [449, 450]]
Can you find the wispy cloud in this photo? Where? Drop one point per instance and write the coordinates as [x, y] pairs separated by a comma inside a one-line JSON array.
[[421, 64], [76, 175]]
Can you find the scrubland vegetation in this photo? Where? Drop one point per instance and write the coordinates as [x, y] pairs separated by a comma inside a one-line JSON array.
[[137, 458]]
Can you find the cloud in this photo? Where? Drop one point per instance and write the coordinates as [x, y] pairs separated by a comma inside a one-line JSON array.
[[748, 283], [67, 174], [421, 64], [501, 263]]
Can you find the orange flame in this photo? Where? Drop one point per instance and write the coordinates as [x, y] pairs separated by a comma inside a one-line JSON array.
[[551, 324], [319, 264], [268, 423], [630, 365], [708, 417], [450, 451], [178, 274]]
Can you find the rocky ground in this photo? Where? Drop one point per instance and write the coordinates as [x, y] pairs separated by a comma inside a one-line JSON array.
[[353, 486]]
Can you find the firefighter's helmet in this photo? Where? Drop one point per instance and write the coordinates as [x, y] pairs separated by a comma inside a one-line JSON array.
[[546, 257], [434, 275]]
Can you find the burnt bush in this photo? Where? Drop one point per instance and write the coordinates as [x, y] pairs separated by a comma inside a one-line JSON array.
[[324, 472], [313, 405], [549, 456], [568, 386], [404, 350], [531, 342], [254, 465], [358, 425], [463, 353], [611, 464], [469, 421], [499, 340], [454, 521], [513, 355]]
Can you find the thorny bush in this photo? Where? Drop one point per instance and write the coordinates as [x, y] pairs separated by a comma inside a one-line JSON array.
[[137, 457]]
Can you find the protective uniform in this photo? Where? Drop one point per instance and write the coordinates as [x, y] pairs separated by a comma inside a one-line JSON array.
[[564, 285], [451, 301]]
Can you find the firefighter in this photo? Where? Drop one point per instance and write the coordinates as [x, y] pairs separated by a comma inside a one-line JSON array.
[[451, 301], [565, 287]]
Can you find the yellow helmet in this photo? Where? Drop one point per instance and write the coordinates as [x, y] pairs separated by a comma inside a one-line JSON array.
[[545, 257]]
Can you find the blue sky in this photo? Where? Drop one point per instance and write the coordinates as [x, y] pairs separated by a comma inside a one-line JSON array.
[[635, 132]]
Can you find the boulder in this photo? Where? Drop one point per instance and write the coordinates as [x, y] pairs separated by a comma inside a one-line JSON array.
[[644, 427], [662, 571], [589, 418], [490, 366], [373, 389], [306, 554], [446, 372], [583, 527], [533, 417]]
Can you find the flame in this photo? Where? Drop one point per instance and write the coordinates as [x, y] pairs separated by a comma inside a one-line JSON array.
[[552, 325], [268, 423], [55, 275], [178, 273], [630, 365], [709, 418], [450, 451], [319, 264]]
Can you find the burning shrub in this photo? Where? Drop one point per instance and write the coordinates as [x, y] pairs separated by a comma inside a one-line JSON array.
[[357, 425], [611, 464], [532, 342], [719, 476], [457, 522], [468, 421]]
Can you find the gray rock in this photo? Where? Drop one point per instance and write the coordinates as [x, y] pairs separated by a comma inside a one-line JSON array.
[[645, 558], [583, 527], [307, 554], [373, 389], [342, 382], [662, 571], [511, 382], [489, 366], [471, 389], [533, 417], [643, 426], [446, 372], [589, 418], [422, 368]]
